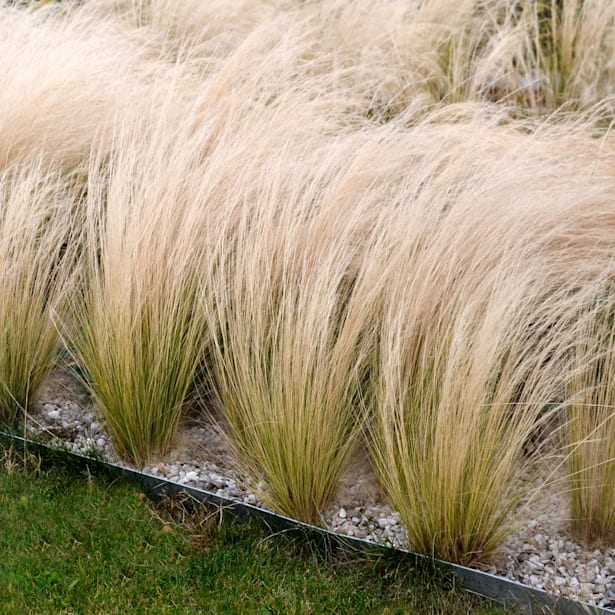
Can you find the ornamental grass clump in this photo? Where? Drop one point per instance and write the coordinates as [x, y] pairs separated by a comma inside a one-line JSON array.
[[473, 347], [291, 313], [539, 55], [568, 51], [535, 57], [178, 28], [174, 191], [136, 332], [64, 77], [457, 399], [590, 428], [38, 247]]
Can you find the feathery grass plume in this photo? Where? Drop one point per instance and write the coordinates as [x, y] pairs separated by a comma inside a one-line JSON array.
[[410, 419], [65, 76], [38, 247], [466, 49], [539, 54], [251, 48], [136, 332], [173, 28], [534, 55], [473, 347], [590, 429], [454, 408], [293, 315], [380, 50], [542, 54], [371, 48], [568, 53]]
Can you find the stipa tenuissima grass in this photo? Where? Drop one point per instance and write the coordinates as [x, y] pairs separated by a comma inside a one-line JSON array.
[[136, 331], [39, 240]]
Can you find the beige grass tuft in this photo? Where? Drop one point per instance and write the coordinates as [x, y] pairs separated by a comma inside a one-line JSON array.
[[65, 78], [137, 333], [38, 248]]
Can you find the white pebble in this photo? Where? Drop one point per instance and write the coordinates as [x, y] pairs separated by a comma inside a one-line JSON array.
[[586, 588]]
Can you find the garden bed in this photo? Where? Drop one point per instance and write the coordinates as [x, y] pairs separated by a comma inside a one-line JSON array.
[[371, 240]]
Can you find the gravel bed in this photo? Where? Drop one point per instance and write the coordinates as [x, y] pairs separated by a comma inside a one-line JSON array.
[[540, 553]]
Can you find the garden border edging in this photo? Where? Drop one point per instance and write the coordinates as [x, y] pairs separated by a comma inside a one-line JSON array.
[[505, 591]]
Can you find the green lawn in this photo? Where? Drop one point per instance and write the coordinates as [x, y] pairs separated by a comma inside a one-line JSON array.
[[82, 545]]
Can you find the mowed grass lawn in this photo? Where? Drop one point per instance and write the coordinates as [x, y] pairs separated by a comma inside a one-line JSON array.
[[78, 544]]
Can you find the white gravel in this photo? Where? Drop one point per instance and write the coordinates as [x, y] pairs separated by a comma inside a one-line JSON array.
[[540, 553]]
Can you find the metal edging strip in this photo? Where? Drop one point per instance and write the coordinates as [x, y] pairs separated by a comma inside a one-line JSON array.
[[508, 593]]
